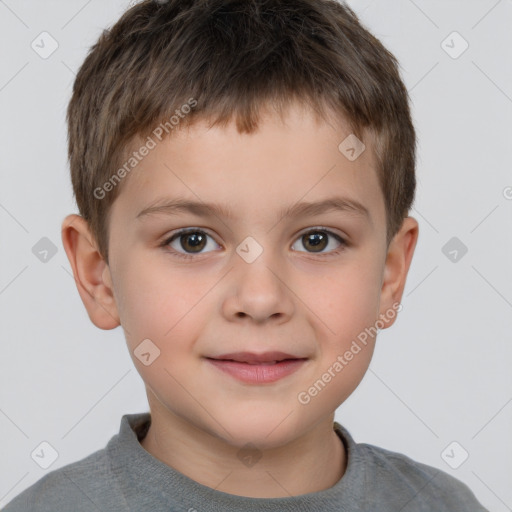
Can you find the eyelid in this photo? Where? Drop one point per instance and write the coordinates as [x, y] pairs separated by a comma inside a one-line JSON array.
[[193, 229], [184, 231], [323, 228]]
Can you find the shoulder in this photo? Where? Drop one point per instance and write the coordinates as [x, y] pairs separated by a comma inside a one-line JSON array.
[[422, 485], [405, 484], [80, 486]]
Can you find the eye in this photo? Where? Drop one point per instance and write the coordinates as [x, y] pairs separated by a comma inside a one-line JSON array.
[[316, 240], [192, 241]]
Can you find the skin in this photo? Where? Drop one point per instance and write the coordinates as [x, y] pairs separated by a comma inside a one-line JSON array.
[[290, 298]]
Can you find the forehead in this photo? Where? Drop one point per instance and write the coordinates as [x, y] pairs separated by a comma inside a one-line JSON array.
[[297, 157]]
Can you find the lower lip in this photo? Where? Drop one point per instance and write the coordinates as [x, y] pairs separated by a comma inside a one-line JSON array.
[[258, 373]]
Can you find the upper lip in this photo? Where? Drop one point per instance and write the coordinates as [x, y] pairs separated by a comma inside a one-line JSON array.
[[250, 357]]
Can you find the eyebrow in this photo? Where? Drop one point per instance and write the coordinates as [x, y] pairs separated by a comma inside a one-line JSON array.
[[177, 206]]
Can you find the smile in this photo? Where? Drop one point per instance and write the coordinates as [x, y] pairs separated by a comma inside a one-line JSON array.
[[258, 372]]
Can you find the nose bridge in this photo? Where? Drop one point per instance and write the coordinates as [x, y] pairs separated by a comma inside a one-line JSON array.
[[258, 275], [259, 258]]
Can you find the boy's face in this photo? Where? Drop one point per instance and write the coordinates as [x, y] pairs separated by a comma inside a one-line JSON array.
[[252, 282]]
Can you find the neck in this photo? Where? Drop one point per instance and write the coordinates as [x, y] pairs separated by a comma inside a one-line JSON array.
[[314, 462]]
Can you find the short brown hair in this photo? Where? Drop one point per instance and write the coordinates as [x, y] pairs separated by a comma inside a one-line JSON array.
[[228, 58]]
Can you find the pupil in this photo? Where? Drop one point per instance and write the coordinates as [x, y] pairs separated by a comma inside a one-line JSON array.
[[197, 240]]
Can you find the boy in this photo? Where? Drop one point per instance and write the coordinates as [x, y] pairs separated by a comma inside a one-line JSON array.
[[250, 129]]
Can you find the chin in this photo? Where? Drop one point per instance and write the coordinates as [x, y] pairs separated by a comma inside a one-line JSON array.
[[264, 430]]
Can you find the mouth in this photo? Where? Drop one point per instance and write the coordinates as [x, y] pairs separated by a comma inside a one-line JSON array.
[[254, 368], [254, 358]]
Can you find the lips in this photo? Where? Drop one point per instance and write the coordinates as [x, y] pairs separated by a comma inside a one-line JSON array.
[[252, 368], [254, 358]]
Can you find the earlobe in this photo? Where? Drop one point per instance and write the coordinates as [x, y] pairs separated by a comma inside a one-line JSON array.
[[90, 271], [398, 262]]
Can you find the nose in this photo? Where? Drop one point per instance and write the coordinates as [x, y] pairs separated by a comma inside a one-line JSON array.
[[260, 289]]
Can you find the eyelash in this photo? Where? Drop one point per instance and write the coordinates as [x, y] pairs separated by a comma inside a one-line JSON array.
[[168, 240]]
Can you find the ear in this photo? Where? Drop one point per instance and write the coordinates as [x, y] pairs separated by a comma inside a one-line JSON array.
[[398, 261], [91, 272]]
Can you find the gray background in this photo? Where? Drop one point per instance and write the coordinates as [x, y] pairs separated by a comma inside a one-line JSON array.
[[441, 374]]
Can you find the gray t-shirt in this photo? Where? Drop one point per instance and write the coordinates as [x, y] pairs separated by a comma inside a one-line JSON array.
[[124, 477]]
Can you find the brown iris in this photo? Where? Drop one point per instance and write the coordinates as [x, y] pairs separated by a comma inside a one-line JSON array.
[[195, 241], [317, 240]]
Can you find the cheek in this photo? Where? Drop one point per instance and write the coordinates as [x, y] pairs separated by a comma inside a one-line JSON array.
[[347, 300], [165, 311], [347, 309], [157, 304]]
